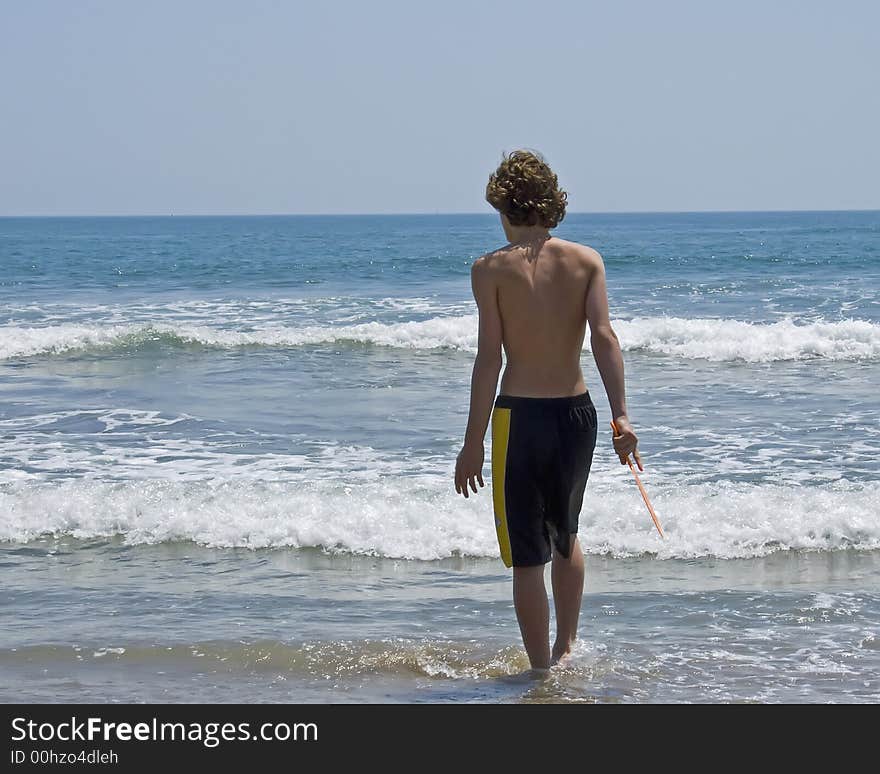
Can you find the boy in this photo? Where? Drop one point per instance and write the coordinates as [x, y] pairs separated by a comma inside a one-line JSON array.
[[535, 296]]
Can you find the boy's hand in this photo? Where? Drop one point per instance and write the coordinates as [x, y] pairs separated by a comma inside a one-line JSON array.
[[468, 467], [625, 441]]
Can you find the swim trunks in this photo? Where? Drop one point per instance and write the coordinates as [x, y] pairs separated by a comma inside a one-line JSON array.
[[542, 449]]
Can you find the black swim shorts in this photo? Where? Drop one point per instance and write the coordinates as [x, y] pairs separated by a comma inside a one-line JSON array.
[[542, 449]]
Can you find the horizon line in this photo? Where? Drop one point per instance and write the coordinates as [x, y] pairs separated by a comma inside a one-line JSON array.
[[420, 213]]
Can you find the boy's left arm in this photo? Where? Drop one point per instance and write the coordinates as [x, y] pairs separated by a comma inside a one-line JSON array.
[[484, 380]]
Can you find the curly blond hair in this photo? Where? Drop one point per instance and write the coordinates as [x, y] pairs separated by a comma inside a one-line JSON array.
[[526, 190]]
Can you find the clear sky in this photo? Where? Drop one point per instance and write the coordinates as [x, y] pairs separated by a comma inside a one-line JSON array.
[[156, 107]]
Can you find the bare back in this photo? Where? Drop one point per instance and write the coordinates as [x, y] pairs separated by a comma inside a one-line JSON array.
[[541, 301]]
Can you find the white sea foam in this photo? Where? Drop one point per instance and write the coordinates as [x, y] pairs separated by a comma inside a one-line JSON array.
[[435, 333], [710, 339], [420, 517], [720, 339]]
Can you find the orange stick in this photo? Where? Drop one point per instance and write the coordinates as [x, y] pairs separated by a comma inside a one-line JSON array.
[[642, 490]]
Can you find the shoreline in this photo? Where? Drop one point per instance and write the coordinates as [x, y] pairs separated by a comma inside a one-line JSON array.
[[784, 569], [101, 621]]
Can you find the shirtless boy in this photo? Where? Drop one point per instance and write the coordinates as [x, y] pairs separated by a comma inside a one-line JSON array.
[[535, 297]]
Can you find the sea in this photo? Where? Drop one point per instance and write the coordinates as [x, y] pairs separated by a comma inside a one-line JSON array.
[[227, 449]]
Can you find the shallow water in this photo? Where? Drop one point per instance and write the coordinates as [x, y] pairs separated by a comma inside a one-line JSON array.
[[180, 623]]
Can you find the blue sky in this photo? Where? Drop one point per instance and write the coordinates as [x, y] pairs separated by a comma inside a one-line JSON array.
[[299, 107]]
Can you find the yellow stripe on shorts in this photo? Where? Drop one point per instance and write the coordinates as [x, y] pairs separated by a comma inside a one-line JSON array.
[[500, 436]]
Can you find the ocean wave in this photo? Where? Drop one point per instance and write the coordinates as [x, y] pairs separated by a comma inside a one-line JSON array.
[[435, 333], [697, 338], [422, 518], [722, 339], [428, 658]]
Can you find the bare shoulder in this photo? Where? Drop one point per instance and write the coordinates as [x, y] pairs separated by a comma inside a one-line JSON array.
[[585, 252], [482, 266], [489, 263], [586, 256], [483, 272]]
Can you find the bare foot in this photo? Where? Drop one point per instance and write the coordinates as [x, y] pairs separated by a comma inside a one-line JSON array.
[[561, 656]]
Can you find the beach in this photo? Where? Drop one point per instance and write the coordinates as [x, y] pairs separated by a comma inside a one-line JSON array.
[[226, 454]]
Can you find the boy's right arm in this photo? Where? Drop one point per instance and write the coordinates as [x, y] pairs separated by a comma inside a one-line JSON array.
[[609, 359]]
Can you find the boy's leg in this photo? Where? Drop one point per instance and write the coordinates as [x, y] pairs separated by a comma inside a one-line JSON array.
[[567, 576], [533, 613]]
